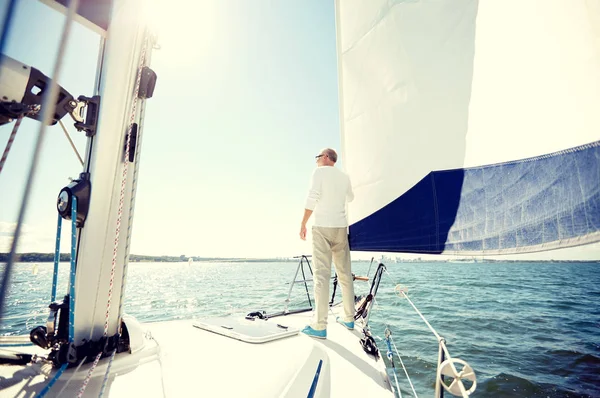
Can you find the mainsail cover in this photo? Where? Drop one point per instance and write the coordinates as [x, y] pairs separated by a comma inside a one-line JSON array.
[[470, 127]]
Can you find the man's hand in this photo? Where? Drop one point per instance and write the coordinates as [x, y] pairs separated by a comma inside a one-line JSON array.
[[307, 214], [303, 232]]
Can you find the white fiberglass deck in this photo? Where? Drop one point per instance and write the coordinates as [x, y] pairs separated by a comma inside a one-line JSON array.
[[195, 362]]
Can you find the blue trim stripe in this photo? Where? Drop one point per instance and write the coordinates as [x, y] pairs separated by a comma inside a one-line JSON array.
[[51, 383], [73, 265], [503, 208], [313, 387], [56, 259]]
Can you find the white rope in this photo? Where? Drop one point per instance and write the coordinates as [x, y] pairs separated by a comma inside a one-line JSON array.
[[9, 144], [70, 378], [70, 141], [112, 357], [89, 375], [440, 340], [403, 367], [119, 217], [397, 385], [415, 308]]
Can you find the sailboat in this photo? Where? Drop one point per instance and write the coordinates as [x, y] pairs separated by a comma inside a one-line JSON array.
[[452, 145]]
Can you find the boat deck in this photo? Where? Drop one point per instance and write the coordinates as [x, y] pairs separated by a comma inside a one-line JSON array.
[[176, 359]]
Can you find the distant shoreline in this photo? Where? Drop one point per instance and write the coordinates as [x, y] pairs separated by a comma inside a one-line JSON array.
[[49, 258], [135, 258]]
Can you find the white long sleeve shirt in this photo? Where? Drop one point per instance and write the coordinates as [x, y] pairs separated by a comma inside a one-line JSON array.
[[329, 191]]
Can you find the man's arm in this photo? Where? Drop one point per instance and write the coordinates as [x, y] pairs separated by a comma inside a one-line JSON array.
[[350, 193]]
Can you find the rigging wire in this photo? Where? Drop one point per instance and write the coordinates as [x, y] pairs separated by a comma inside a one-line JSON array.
[[416, 309], [49, 105], [11, 139], [442, 344], [403, 367], [71, 378], [70, 141], [10, 10]]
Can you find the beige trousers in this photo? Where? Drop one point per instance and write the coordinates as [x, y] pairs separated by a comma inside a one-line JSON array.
[[328, 243]]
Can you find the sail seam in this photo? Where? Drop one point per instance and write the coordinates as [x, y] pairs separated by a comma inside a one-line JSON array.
[[535, 158], [558, 244], [436, 213]]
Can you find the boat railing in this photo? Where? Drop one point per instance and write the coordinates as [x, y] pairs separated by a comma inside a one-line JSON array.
[[448, 377], [303, 260], [461, 382]]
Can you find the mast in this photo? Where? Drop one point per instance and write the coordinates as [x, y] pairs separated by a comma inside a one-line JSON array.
[[100, 201], [103, 240]]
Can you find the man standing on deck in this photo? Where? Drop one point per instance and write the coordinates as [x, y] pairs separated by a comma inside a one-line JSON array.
[[330, 189]]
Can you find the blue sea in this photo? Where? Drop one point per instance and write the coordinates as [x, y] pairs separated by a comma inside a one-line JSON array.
[[527, 329]]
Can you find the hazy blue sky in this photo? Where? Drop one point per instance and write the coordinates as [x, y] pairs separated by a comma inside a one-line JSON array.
[[33, 40], [246, 96]]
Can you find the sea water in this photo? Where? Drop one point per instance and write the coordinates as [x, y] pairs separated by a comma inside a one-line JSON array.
[[527, 329]]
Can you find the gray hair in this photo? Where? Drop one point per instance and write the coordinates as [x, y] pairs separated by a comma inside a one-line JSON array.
[[331, 154]]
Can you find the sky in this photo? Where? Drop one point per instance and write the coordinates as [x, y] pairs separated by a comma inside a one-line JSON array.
[[246, 96]]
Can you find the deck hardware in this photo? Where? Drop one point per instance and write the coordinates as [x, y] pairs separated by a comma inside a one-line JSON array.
[[81, 188]]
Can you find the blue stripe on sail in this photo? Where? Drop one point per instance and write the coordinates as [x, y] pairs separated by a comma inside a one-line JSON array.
[[503, 208]]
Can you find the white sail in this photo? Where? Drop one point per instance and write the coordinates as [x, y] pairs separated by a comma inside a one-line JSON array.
[[463, 86], [159, 358]]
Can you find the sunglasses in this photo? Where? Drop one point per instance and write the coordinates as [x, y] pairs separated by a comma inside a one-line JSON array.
[[318, 156]]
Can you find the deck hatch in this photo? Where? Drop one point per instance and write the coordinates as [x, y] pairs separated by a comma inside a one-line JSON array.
[[250, 331]]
